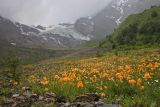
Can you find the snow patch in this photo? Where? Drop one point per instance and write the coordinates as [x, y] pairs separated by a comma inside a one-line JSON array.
[[14, 44], [45, 38]]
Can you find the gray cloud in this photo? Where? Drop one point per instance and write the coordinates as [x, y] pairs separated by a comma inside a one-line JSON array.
[[49, 12]]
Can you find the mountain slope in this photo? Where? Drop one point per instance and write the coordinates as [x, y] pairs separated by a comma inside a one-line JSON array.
[[60, 36], [143, 28], [114, 13]]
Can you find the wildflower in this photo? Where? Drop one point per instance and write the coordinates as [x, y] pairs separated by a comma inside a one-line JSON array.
[[64, 74], [132, 81], [101, 88], [120, 68], [23, 88], [94, 79], [156, 65], [32, 79], [139, 81], [127, 67], [45, 78], [56, 77], [44, 82], [14, 82], [147, 75], [72, 75], [45, 89], [119, 76], [102, 95], [75, 69], [142, 87], [80, 84], [66, 79], [104, 75]]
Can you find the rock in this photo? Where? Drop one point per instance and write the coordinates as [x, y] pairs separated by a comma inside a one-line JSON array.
[[99, 103], [50, 94], [15, 95], [27, 94], [67, 104], [34, 97], [7, 103], [40, 98], [60, 99], [59, 104], [90, 97], [83, 98], [81, 104], [20, 98], [48, 100], [26, 100], [111, 105], [93, 97]]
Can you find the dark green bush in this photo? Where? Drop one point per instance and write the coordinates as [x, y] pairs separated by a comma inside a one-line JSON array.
[[154, 14], [12, 62]]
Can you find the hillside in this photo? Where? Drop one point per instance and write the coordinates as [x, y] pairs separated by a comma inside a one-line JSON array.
[[137, 29], [126, 77], [106, 20]]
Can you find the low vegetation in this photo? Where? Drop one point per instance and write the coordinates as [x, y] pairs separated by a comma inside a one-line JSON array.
[[138, 29], [127, 77]]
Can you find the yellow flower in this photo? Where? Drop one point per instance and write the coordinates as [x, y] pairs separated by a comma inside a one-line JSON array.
[[44, 82], [142, 87], [45, 89], [120, 68], [64, 74], [127, 67], [80, 84], [156, 65], [45, 78], [147, 75], [101, 88], [66, 79], [56, 77], [139, 81], [119, 76]]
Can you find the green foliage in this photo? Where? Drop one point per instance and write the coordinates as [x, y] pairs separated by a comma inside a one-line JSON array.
[[138, 29], [150, 28], [128, 35], [13, 62], [99, 54], [154, 14]]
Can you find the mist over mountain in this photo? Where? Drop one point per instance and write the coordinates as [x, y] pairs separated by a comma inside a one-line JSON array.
[[64, 35], [49, 12], [105, 21]]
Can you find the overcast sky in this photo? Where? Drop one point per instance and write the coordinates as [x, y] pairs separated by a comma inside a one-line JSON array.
[[49, 12]]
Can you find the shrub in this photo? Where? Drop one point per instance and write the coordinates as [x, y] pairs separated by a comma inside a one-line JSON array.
[[154, 14], [128, 35], [13, 62]]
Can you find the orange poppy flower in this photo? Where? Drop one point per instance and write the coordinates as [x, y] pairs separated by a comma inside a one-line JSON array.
[[132, 81]]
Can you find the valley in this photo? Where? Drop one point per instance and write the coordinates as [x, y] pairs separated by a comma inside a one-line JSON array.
[[110, 59]]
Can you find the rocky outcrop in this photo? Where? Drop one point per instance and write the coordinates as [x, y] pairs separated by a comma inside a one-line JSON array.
[[84, 26], [50, 99]]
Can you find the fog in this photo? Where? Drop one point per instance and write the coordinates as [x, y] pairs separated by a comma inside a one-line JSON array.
[[49, 12]]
